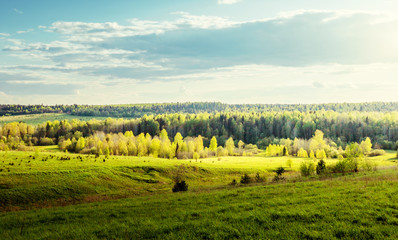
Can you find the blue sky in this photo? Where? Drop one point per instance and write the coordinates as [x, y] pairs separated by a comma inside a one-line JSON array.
[[247, 51]]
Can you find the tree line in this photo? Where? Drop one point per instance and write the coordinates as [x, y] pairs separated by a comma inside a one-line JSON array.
[[139, 110], [260, 128]]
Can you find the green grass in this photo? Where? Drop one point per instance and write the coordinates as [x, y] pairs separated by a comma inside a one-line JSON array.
[[357, 206], [35, 119], [52, 178], [53, 195]]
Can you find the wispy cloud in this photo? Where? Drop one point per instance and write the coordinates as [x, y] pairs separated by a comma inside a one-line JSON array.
[[25, 31], [227, 1], [324, 49], [18, 11]]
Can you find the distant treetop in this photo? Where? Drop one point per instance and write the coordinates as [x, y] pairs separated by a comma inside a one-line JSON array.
[[139, 110]]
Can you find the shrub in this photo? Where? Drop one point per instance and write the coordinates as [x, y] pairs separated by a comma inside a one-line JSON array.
[[46, 141], [259, 178], [279, 171], [289, 163], [341, 166], [179, 183], [368, 165], [320, 167], [376, 152], [180, 186], [234, 183], [245, 179], [307, 168]]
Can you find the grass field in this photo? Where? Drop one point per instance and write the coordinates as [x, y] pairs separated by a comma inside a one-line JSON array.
[[74, 196], [356, 206], [35, 119]]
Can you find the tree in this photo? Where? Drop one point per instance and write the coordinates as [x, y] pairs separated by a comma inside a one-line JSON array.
[[80, 144], [163, 135], [199, 144], [123, 150], [302, 153], [320, 154], [132, 148], [312, 154], [230, 146], [155, 147], [241, 144], [213, 144], [366, 146]]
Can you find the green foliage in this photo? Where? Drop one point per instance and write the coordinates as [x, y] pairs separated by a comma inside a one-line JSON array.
[[307, 168], [245, 179], [289, 163], [321, 167], [213, 144], [230, 146], [258, 178], [279, 171], [180, 186], [376, 152]]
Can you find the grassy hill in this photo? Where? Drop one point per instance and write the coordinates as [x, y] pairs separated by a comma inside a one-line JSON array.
[[359, 206], [49, 194]]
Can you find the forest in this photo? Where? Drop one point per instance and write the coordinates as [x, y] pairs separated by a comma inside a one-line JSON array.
[[139, 110], [259, 128]]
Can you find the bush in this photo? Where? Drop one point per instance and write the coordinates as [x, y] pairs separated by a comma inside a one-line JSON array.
[[341, 166], [245, 179], [234, 183], [259, 178], [289, 163], [180, 186], [368, 165], [46, 141], [307, 168], [321, 167], [376, 152], [279, 171]]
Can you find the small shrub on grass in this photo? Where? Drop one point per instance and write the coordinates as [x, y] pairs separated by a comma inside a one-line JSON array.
[[279, 171], [258, 178], [307, 168], [234, 182], [180, 186], [289, 163], [245, 179], [369, 165], [179, 183], [376, 152], [321, 167]]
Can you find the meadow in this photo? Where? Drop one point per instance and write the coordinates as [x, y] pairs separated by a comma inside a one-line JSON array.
[[354, 206]]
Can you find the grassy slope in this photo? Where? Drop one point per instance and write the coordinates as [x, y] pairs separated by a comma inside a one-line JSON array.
[[27, 183], [35, 119], [360, 206]]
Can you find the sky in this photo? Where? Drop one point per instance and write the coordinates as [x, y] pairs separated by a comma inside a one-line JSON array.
[[231, 51]]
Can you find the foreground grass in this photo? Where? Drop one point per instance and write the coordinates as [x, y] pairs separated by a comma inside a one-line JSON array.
[[361, 206], [52, 178]]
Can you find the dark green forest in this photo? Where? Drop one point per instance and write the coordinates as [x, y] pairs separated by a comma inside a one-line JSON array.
[[139, 110], [261, 128]]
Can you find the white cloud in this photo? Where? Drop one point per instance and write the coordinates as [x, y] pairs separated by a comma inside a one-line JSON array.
[[294, 57], [4, 34], [203, 22], [25, 31], [227, 1], [18, 11]]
